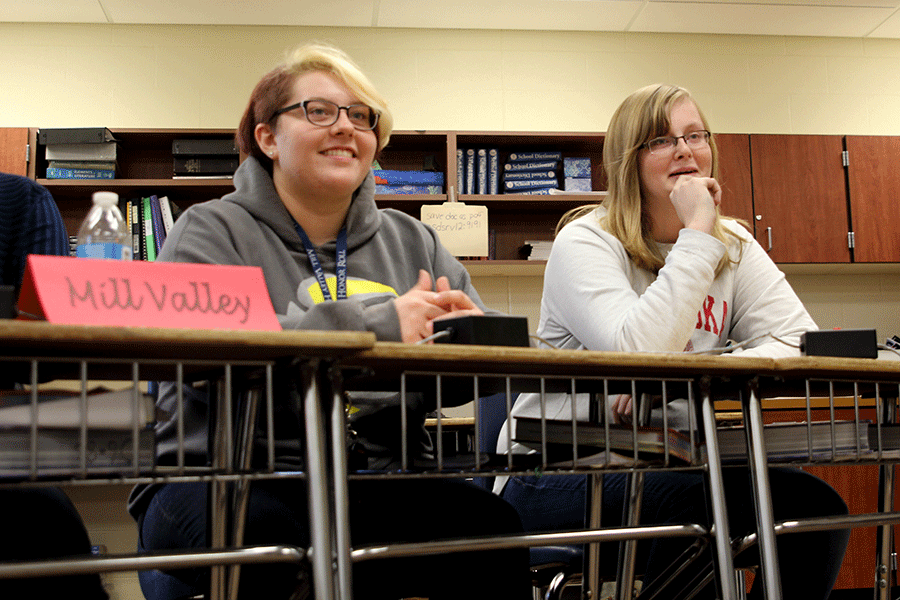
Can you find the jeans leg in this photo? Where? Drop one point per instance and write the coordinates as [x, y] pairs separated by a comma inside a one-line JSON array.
[[557, 502], [176, 518], [434, 509]]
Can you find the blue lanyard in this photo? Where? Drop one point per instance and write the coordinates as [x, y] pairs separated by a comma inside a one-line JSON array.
[[340, 263]]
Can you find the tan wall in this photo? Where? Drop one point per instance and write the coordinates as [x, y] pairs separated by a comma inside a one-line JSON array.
[[187, 76], [192, 76]]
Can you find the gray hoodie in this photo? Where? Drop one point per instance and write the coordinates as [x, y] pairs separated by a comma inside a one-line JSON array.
[[386, 249]]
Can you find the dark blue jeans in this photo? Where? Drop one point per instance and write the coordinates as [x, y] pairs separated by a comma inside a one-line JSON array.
[[380, 512], [808, 562]]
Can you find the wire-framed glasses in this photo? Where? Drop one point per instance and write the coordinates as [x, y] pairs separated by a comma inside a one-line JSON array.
[[694, 139], [323, 113]]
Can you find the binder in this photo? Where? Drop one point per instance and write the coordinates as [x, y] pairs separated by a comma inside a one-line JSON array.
[[76, 135], [194, 147]]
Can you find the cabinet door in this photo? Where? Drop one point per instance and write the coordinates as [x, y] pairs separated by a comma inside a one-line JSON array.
[[874, 183], [735, 176], [799, 197], [13, 150]]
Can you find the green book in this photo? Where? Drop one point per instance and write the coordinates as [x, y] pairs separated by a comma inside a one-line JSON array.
[[148, 230]]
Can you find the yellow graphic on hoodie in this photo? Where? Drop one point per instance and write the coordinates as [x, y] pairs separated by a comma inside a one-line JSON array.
[[354, 286]]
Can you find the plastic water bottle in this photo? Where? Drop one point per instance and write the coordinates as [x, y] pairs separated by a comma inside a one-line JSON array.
[[104, 233]]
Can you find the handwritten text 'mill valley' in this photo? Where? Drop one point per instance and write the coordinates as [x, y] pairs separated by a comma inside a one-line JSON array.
[[118, 293]]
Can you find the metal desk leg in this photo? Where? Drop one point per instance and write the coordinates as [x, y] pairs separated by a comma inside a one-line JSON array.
[[590, 582], [628, 548], [320, 514], [241, 493], [341, 492], [885, 534], [759, 475], [717, 495], [222, 461]]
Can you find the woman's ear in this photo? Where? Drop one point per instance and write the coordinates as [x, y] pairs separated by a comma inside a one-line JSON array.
[[265, 139]]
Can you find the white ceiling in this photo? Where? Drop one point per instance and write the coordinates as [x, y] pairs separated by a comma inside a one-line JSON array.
[[837, 18]]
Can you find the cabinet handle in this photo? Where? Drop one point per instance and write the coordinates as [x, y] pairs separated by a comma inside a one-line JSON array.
[[769, 234]]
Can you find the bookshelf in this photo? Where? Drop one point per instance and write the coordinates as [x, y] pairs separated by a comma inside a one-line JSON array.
[[144, 167]]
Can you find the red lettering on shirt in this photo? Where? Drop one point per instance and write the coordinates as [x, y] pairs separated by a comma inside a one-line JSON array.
[[706, 319], [708, 315]]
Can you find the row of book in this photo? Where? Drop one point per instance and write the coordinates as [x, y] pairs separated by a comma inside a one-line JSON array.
[[533, 172], [90, 153], [389, 181], [79, 153], [478, 170], [149, 219], [817, 440]]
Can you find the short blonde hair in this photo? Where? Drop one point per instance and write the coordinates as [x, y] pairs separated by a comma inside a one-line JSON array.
[[275, 88]]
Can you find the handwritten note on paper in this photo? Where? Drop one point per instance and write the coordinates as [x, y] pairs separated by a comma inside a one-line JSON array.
[[463, 229], [146, 294]]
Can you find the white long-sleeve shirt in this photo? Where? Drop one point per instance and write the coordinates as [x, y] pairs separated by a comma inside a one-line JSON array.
[[596, 298]]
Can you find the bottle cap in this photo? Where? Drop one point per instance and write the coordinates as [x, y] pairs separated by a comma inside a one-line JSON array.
[[106, 198]]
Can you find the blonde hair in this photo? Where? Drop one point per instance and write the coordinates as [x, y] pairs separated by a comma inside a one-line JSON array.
[[275, 88], [642, 116]]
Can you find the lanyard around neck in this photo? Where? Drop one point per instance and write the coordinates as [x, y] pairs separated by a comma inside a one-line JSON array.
[[340, 263]]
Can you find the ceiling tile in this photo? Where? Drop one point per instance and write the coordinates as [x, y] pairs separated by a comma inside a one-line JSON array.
[[812, 3], [345, 13], [506, 14], [759, 19], [69, 11], [890, 28]]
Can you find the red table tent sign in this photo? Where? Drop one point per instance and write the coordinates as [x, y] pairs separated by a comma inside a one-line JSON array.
[[88, 291]]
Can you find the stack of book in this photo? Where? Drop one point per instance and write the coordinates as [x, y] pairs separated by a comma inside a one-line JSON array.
[[531, 172], [108, 443], [784, 442], [478, 170], [536, 249], [150, 219], [79, 153], [408, 182], [204, 158], [577, 173]]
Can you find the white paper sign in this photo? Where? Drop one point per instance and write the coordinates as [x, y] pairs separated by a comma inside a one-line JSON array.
[[462, 229]]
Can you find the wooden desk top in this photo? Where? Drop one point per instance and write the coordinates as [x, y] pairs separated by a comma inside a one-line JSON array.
[[110, 350], [390, 358], [778, 376], [23, 339]]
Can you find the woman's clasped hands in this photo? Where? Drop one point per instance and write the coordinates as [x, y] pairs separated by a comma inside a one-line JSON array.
[[421, 306]]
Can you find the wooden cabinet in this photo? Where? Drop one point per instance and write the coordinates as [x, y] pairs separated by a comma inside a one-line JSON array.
[[735, 175], [14, 150], [799, 198], [873, 182]]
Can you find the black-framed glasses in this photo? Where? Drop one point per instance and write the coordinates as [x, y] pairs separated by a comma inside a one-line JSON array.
[[323, 113], [694, 139]]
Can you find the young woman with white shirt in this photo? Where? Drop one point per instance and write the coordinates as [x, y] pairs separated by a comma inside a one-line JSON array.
[[655, 267]]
